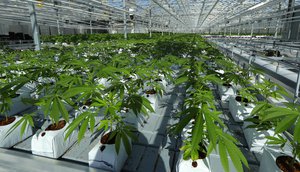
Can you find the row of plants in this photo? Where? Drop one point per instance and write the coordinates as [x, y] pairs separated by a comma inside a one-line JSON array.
[[207, 144], [264, 123], [108, 82], [270, 129], [78, 38]]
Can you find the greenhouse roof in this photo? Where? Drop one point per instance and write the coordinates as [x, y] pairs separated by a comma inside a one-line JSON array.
[[182, 15]]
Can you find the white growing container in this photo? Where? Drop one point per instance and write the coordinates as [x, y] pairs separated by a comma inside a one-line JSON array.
[[163, 81], [259, 78], [238, 110], [210, 164], [225, 93], [84, 108], [51, 143], [225, 100], [153, 98], [17, 104], [132, 119], [14, 137], [104, 81], [164, 84], [256, 140], [216, 165], [229, 90], [104, 156], [186, 165], [268, 160]]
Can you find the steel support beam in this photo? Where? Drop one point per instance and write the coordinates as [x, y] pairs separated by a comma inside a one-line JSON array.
[[125, 20], [57, 21], [239, 30], [209, 13], [291, 4], [200, 14], [150, 23], [34, 26], [252, 28], [168, 11]]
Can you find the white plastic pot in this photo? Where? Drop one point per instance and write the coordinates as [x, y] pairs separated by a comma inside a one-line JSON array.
[[51, 143], [268, 161], [225, 100], [239, 111], [210, 164], [186, 165], [226, 92], [14, 137], [153, 98], [256, 140], [84, 108], [216, 165], [132, 119], [220, 71], [252, 80], [104, 82], [187, 130], [17, 105], [104, 156], [259, 78], [163, 81]]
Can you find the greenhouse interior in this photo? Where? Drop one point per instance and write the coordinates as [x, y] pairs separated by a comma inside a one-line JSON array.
[[150, 85]]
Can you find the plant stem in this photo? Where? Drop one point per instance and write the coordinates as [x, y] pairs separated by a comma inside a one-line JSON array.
[[294, 155]]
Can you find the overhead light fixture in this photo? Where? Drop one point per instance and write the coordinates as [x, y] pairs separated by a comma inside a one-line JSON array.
[[40, 3], [130, 14]]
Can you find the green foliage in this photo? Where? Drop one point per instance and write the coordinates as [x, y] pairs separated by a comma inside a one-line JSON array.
[[95, 37], [200, 116], [284, 119], [227, 147], [112, 74]]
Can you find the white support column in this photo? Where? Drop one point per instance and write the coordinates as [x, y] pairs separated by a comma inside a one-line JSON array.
[[125, 20], [150, 23], [291, 4], [58, 28], [297, 85], [277, 22], [57, 22], [252, 28], [34, 26], [239, 31], [91, 27], [49, 30], [276, 30]]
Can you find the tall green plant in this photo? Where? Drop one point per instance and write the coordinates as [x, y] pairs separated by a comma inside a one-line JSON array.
[[200, 113]]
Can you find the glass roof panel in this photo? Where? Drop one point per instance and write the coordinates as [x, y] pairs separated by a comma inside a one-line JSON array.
[[181, 15]]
